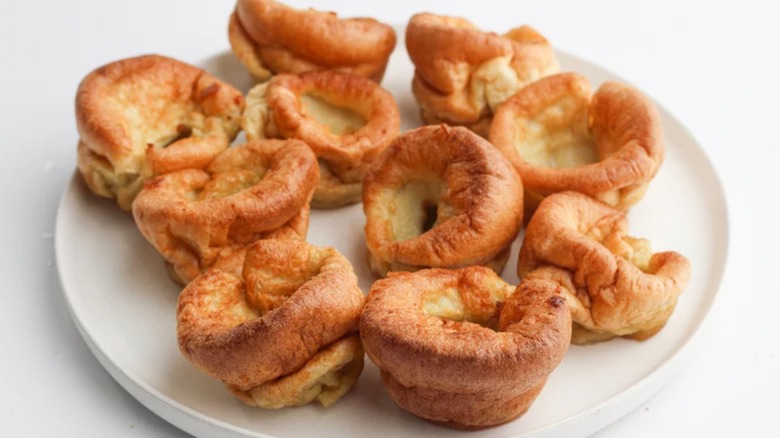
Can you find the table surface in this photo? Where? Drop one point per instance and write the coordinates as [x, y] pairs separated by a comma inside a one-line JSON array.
[[715, 68]]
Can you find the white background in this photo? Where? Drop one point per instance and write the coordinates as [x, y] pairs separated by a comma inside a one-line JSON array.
[[713, 65]]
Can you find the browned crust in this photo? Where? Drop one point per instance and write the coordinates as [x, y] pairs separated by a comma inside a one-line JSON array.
[[245, 49], [446, 52], [624, 123], [192, 235], [322, 310], [474, 411], [438, 44], [346, 151], [446, 370], [482, 187], [157, 84], [289, 40], [608, 294], [229, 258]]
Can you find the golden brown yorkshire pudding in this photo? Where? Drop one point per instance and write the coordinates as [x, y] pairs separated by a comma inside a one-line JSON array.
[[462, 346], [347, 121], [608, 146], [614, 284], [441, 197], [259, 190], [149, 115], [270, 37], [463, 74], [280, 333]]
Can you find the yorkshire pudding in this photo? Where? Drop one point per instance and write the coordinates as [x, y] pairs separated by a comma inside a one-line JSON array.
[[559, 138], [270, 37], [463, 74], [255, 191], [614, 284], [281, 332], [441, 197], [347, 121], [149, 115], [462, 346]]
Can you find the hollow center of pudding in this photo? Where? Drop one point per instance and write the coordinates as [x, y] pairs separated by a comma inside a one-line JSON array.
[[182, 131], [151, 115], [558, 136], [339, 119], [418, 207], [228, 183], [479, 305]]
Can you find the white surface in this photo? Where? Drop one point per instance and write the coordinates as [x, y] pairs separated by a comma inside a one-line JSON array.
[[713, 66], [593, 385]]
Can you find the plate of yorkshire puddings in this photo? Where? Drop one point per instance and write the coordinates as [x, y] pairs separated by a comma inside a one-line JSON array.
[[346, 228]]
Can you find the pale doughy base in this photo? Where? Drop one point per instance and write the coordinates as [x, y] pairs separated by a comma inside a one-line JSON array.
[[326, 377]]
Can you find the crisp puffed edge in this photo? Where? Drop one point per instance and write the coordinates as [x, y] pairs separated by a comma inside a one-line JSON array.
[[443, 49], [360, 46], [383, 268]]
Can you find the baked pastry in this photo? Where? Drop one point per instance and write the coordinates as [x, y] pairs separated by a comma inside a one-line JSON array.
[[441, 197], [614, 284], [282, 332], [463, 347], [197, 218], [558, 137], [150, 115], [270, 37], [347, 121], [463, 74]]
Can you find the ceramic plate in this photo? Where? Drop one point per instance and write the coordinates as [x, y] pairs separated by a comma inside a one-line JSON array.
[[124, 304]]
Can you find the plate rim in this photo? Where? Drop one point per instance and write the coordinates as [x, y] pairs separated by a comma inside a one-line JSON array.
[[167, 408]]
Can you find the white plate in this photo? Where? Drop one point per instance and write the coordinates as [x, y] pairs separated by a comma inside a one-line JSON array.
[[124, 305]]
